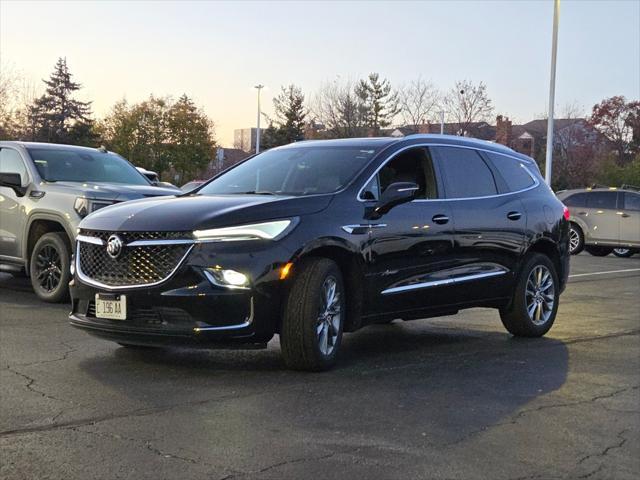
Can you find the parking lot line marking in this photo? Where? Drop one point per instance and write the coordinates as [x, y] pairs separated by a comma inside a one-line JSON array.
[[604, 273]]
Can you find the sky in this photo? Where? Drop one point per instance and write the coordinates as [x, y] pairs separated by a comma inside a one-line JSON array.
[[215, 52]]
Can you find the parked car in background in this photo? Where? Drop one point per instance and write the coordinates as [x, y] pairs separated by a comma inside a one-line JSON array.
[[45, 190], [318, 238], [154, 178], [604, 220], [187, 187]]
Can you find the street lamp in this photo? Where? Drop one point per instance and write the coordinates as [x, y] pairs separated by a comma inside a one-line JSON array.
[[259, 87], [552, 92]]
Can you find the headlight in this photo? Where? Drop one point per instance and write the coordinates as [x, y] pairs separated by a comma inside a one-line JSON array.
[[84, 206], [255, 231]]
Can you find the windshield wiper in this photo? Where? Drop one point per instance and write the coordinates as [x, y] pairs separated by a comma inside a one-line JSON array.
[[255, 192]]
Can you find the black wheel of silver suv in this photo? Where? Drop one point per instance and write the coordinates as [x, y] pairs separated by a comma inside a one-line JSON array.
[[49, 267], [534, 305]]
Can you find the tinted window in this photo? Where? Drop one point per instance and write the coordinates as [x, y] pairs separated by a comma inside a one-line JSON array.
[[293, 171], [465, 173], [576, 200], [414, 166], [11, 162], [76, 165], [512, 171], [602, 200], [631, 201]]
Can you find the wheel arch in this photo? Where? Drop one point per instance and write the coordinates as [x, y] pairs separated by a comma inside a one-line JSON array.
[[40, 224], [352, 269], [549, 249]]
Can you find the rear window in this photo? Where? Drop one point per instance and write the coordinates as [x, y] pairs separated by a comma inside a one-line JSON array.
[[602, 200], [513, 172], [576, 200]]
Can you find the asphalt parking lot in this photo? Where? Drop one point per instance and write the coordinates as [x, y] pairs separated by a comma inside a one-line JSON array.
[[454, 397]]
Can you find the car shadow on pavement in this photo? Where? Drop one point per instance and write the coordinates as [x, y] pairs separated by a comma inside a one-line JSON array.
[[458, 381]]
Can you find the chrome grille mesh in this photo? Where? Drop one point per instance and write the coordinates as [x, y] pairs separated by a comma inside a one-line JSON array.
[[136, 265]]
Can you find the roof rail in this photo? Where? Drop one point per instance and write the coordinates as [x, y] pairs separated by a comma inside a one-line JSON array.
[[626, 186]]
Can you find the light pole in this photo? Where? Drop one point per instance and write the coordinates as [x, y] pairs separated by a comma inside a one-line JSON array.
[[259, 87], [552, 93], [441, 122]]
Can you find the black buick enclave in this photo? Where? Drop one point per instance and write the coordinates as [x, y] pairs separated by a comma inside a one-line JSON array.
[[318, 238]]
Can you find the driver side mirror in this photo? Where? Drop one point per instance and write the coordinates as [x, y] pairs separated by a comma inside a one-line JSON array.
[[13, 181], [394, 195]]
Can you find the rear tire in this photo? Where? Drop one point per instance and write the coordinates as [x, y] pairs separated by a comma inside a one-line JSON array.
[[576, 239], [623, 252], [534, 304], [313, 316], [597, 251], [49, 267]]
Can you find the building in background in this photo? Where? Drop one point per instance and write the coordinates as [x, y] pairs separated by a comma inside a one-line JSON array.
[[245, 138]]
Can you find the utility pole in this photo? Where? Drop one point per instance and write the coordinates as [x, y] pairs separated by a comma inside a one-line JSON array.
[[259, 87], [441, 122], [552, 93]]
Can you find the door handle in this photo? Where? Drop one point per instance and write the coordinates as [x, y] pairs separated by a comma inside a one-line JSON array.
[[440, 219], [514, 216], [582, 213], [623, 215]]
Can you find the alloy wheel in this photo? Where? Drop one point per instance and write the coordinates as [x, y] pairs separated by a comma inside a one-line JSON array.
[[540, 295], [48, 268], [574, 240], [329, 317]]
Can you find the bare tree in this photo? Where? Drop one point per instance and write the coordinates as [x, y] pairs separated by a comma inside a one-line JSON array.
[[467, 103], [342, 112], [418, 101], [16, 93]]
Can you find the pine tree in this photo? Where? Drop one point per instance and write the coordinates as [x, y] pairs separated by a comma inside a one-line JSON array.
[[380, 100], [290, 114], [56, 116]]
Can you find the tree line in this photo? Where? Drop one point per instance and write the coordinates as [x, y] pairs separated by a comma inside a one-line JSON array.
[[175, 137]]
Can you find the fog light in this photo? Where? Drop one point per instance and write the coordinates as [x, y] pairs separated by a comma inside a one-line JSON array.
[[72, 266], [227, 278]]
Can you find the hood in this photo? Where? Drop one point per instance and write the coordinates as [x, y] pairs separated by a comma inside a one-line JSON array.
[[199, 212], [111, 191]]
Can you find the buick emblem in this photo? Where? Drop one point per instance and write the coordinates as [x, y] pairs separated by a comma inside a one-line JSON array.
[[114, 246]]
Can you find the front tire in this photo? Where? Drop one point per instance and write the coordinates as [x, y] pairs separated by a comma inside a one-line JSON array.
[[597, 251], [313, 317], [534, 305], [623, 252], [49, 267], [576, 239]]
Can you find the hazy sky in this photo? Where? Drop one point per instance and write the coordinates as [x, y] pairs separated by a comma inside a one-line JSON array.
[[216, 51]]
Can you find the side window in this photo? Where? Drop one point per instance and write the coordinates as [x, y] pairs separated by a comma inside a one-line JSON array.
[[602, 200], [414, 165], [576, 200], [11, 162], [632, 201], [465, 173], [512, 171]]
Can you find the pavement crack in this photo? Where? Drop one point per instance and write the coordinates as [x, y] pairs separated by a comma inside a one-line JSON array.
[[69, 350], [30, 385], [621, 441]]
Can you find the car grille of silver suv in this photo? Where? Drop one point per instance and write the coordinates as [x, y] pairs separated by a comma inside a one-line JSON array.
[[140, 258]]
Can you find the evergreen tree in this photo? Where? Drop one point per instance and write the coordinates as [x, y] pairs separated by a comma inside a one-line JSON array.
[[379, 100], [290, 114], [56, 116]]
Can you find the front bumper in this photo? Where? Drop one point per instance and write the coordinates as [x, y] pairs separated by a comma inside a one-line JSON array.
[[187, 309]]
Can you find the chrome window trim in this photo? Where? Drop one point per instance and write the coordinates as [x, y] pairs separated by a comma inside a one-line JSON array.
[[427, 145], [95, 283], [446, 281]]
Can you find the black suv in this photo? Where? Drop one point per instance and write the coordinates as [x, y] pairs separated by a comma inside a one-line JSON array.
[[318, 238]]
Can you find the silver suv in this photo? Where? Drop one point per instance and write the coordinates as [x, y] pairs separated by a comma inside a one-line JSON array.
[[604, 220], [45, 190]]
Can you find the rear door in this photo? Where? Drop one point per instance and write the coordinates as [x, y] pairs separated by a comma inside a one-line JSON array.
[[488, 224], [603, 218], [630, 219]]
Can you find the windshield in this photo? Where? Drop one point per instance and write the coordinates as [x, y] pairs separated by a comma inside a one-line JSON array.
[[293, 171], [71, 165]]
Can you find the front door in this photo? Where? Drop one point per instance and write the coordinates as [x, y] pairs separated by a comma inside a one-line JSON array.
[[12, 213], [410, 248]]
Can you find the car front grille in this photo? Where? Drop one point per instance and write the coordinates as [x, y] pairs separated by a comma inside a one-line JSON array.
[[136, 265]]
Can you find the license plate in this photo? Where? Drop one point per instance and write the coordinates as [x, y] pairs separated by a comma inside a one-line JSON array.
[[113, 307]]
